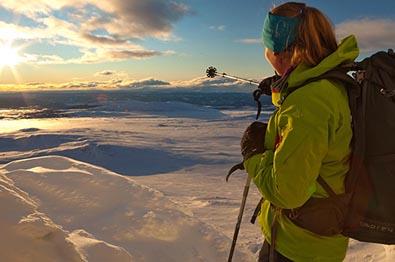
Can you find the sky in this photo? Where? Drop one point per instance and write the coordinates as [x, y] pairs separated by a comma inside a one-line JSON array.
[[59, 42]]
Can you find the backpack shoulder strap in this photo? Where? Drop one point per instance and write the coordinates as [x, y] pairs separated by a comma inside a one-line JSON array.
[[339, 73], [326, 187]]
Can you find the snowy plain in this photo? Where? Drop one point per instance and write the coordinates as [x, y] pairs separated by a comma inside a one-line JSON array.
[[129, 181]]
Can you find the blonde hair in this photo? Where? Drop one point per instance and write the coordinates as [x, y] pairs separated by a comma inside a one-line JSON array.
[[315, 39]]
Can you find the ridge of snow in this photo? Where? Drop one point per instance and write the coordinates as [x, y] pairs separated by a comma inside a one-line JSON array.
[[75, 211]]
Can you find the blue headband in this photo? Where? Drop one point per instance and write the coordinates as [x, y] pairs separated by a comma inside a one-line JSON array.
[[279, 32]]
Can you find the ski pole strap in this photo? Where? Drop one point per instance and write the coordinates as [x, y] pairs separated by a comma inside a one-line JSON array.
[[233, 169], [256, 211], [257, 94]]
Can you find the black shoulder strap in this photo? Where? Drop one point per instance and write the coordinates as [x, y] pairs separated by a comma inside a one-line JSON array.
[[326, 187], [339, 74]]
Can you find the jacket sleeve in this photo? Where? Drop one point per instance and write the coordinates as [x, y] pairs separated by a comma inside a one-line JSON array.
[[286, 176]]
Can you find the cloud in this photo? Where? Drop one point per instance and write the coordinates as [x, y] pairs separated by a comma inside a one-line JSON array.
[[105, 73], [128, 18], [249, 41], [145, 83], [218, 84], [80, 85], [84, 85], [43, 59], [94, 48], [107, 40], [372, 34], [121, 80], [101, 30], [126, 54], [218, 28], [136, 18]]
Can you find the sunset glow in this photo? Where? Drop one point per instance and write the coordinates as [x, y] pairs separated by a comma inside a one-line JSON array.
[[98, 44]]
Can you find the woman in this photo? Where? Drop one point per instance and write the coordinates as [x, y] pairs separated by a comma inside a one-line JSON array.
[[308, 136]]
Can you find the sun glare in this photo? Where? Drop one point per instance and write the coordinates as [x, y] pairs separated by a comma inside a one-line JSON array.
[[9, 55]]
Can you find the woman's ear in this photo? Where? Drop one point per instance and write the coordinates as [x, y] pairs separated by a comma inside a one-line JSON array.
[[279, 61], [284, 61]]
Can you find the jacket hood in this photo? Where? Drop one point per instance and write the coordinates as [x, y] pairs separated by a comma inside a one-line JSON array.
[[346, 52]]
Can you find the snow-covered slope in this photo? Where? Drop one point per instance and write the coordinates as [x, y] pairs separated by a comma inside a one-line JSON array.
[[58, 209]]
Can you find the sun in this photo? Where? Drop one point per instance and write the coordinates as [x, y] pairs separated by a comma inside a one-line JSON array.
[[9, 55]]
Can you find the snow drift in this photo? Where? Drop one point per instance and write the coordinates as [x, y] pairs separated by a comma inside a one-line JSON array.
[[58, 209]]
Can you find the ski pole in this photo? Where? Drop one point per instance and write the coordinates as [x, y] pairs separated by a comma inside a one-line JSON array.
[[240, 217], [212, 72]]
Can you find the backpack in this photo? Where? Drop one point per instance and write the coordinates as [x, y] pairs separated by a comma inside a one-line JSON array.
[[369, 211], [371, 179]]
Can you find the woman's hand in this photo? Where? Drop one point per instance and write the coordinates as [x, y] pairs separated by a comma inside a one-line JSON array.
[[266, 84], [253, 140]]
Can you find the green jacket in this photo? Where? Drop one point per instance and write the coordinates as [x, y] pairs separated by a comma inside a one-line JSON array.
[[308, 135]]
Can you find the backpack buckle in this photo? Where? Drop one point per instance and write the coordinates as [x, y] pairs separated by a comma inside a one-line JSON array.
[[359, 76]]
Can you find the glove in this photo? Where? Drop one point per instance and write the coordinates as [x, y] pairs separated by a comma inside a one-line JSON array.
[[253, 140], [266, 84]]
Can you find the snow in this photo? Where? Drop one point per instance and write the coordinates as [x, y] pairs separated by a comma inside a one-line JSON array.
[[130, 182], [149, 109], [27, 234], [89, 213]]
